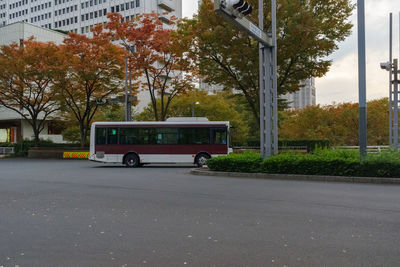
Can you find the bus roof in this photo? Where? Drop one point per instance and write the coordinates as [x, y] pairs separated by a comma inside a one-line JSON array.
[[161, 123]]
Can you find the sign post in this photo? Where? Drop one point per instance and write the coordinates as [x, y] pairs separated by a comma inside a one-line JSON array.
[[231, 11]]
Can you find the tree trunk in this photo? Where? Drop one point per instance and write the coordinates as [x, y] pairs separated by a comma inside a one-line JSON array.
[[36, 133], [36, 138], [82, 134]]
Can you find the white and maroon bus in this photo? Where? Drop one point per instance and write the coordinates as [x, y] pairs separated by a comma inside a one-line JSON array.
[[178, 140]]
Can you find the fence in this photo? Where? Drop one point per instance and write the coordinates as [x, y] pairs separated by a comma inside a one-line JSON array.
[[299, 149], [6, 150], [370, 149]]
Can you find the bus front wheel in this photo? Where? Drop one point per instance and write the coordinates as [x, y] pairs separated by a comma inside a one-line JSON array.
[[132, 161], [201, 160]]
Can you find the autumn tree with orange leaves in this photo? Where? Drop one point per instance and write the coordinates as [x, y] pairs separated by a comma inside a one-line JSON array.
[[27, 75], [93, 72], [157, 58]]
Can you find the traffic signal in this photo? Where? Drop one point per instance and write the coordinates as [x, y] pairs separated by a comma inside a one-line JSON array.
[[239, 8]]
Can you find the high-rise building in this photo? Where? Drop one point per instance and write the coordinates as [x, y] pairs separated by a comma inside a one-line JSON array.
[[303, 97], [80, 16]]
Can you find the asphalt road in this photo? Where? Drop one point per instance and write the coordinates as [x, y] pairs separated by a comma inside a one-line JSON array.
[[79, 213]]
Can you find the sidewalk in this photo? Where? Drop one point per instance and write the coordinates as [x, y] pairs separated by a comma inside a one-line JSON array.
[[297, 177]]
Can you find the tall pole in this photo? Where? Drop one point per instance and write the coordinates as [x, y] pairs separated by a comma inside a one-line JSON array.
[[129, 104], [262, 83], [396, 105], [268, 87], [274, 80], [390, 80], [362, 99], [126, 89]]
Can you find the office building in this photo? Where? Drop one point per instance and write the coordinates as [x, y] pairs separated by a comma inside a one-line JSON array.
[[80, 16], [16, 32], [303, 97]]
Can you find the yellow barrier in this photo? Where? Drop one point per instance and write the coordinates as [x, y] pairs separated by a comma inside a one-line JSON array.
[[76, 155]]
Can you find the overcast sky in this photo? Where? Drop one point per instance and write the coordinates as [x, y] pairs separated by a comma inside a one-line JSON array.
[[341, 82]]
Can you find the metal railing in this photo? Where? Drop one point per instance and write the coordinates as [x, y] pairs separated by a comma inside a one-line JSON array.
[[6, 150], [370, 149]]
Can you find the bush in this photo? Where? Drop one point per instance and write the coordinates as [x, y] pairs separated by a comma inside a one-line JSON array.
[[385, 164], [246, 162], [320, 162], [21, 149]]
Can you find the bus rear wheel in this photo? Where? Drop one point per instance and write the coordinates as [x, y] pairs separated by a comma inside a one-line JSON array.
[[132, 161], [201, 160]]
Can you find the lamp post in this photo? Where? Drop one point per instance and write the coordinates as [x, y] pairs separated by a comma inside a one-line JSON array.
[[194, 103], [362, 95], [393, 69]]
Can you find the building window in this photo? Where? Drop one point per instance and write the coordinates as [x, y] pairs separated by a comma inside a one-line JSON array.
[[137, 3]]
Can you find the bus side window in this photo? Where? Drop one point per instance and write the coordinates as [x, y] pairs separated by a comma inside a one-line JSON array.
[[112, 136], [100, 136], [219, 136], [202, 136], [128, 136]]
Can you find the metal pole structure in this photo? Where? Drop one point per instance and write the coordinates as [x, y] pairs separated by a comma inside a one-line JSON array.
[[129, 104], [362, 99], [126, 89], [268, 88], [390, 81], [396, 105], [274, 80], [262, 84]]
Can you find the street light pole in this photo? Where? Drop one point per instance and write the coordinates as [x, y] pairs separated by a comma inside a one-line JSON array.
[[396, 104], [126, 90], [362, 99], [390, 80], [194, 103]]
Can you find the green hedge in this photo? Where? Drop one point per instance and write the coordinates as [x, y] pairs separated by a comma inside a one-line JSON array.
[[21, 148], [246, 162], [321, 162]]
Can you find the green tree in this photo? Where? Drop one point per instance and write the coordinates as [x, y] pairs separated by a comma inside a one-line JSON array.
[[338, 123], [214, 107], [308, 31]]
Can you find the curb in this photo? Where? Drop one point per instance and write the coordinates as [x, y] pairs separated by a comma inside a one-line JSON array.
[[298, 177]]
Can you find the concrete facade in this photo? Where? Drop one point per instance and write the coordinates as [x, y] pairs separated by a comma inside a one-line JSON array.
[[79, 16], [14, 127], [306, 96], [18, 31]]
